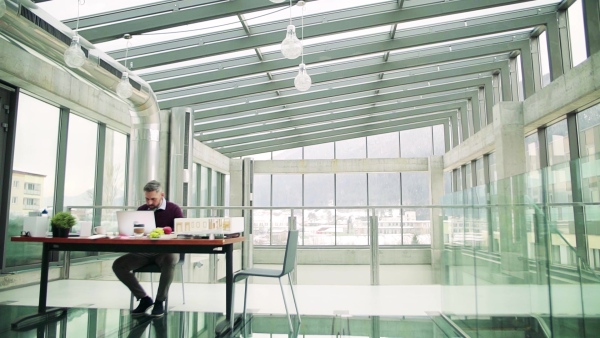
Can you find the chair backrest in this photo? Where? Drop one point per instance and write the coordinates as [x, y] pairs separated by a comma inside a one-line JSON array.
[[289, 261]]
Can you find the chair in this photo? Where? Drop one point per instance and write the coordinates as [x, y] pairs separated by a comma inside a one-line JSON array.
[[153, 268], [289, 262]]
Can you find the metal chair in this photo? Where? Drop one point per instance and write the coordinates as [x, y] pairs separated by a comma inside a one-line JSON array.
[[153, 268], [289, 263]]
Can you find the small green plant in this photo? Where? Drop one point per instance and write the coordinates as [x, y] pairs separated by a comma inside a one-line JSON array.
[[63, 220]]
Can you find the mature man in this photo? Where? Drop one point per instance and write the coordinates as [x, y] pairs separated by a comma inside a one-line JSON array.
[[165, 213]]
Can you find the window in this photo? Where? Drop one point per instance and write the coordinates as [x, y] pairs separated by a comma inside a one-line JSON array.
[[31, 202], [14, 200], [81, 161], [15, 184], [33, 157]]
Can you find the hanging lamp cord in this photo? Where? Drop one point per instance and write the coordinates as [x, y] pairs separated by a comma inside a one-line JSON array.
[[79, 4], [302, 43], [290, 12]]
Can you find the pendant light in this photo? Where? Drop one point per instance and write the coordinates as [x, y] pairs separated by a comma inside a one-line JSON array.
[[124, 88], [3, 7], [74, 56], [277, 1], [302, 81], [291, 47]]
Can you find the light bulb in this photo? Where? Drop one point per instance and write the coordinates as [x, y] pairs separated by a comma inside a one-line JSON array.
[[124, 89], [291, 47], [2, 8], [74, 56], [302, 81], [277, 1]]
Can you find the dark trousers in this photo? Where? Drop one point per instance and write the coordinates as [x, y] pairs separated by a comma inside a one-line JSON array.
[[124, 266]]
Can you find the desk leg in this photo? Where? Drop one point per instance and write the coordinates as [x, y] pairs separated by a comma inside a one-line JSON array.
[[44, 278], [228, 279]]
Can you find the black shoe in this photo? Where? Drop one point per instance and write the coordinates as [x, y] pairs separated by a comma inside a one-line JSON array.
[[158, 310], [145, 303]]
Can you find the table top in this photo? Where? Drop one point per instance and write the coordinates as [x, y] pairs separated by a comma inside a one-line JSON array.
[[128, 241]]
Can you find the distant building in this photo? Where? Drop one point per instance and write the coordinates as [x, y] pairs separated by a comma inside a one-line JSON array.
[[27, 192]]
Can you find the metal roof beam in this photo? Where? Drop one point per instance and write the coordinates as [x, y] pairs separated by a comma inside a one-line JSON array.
[[332, 51], [316, 95], [161, 16], [365, 49], [199, 98], [308, 141], [475, 83], [188, 49], [295, 123], [383, 114]]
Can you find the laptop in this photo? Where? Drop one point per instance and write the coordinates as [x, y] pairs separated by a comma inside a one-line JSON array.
[[126, 220]]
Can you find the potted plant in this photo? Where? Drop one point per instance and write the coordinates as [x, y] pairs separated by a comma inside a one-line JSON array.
[[62, 222]]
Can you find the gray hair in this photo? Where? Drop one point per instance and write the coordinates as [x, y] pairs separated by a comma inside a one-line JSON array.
[[153, 185]]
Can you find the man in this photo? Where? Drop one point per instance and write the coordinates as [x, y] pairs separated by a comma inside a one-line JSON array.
[[164, 214]]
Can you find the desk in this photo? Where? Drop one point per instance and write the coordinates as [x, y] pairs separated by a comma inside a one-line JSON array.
[[205, 246]]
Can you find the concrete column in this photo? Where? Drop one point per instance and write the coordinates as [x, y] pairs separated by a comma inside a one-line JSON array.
[[510, 162], [436, 191], [235, 186]]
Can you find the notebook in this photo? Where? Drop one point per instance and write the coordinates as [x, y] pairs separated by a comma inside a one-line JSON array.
[[126, 220]]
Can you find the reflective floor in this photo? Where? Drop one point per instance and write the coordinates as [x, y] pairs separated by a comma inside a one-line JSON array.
[[88, 322]]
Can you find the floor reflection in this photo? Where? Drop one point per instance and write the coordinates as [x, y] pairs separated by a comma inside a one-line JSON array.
[[87, 322]]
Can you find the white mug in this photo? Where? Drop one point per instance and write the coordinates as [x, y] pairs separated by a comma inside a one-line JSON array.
[[85, 228], [100, 230]]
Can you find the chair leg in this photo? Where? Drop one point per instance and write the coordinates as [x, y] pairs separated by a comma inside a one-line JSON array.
[[285, 304], [294, 297], [182, 286], [245, 297]]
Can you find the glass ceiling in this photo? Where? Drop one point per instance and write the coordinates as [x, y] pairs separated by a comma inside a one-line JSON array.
[[223, 59]]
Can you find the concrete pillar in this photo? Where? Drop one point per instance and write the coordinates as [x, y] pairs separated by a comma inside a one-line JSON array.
[[235, 186], [436, 191], [510, 162]]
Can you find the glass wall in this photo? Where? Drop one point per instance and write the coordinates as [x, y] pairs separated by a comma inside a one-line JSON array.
[[34, 172], [349, 226]]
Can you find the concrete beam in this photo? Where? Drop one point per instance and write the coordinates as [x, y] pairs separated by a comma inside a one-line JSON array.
[[380, 165], [474, 147], [576, 90], [211, 158]]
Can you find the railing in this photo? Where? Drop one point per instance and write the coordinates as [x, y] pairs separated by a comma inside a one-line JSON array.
[[318, 226]]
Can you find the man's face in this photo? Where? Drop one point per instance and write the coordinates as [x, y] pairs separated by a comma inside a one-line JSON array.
[[153, 199]]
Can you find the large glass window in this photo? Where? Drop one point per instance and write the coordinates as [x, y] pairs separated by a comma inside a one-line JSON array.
[[577, 33], [416, 222], [559, 180], [544, 59], [34, 162], [261, 218], [288, 154], [81, 164], [588, 124], [384, 188], [319, 152], [439, 142], [113, 182], [354, 148], [416, 142], [383, 146]]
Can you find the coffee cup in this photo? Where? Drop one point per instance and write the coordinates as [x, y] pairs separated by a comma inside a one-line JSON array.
[[100, 230], [138, 230]]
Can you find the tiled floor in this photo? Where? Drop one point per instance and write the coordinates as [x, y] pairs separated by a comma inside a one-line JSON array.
[[401, 300], [101, 308]]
